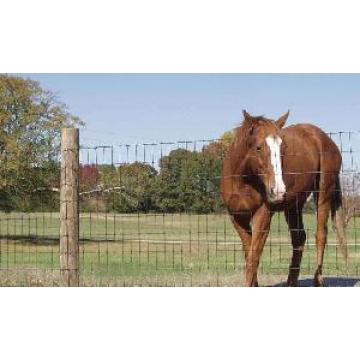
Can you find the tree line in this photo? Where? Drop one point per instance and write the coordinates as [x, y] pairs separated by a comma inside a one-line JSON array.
[[184, 181], [31, 119]]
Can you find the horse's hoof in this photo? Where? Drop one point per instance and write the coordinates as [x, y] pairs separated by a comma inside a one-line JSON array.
[[319, 281], [292, 283], [253, 283]]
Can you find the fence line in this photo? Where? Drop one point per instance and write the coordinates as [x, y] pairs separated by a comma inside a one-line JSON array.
[[151, 214]]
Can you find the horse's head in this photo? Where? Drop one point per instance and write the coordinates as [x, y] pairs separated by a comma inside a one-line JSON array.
[[263, 142]]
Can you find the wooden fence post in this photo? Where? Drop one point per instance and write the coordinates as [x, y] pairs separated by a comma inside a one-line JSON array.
[[69, 207]]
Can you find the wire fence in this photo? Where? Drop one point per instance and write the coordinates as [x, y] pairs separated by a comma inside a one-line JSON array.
[[151, 214]]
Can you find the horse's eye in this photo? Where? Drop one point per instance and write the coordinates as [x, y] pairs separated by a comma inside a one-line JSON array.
[[258, 148]]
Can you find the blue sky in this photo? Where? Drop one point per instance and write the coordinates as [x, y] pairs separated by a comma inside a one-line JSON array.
[[131, 108]]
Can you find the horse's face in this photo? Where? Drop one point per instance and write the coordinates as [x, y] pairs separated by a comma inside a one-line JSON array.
[[264, 156]]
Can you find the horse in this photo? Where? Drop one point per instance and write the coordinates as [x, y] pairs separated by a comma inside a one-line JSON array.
[[268, 169]]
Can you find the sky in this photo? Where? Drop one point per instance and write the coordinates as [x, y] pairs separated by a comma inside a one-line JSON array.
[[136, 108]]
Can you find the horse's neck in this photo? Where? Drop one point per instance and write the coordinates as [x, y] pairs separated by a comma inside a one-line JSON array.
[[234, 169], [239, 167], [237, 192]]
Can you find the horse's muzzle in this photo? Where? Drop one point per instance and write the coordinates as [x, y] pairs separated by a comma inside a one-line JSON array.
[[275, 196]]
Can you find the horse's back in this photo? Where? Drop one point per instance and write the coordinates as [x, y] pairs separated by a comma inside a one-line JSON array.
[[308, 153], [309, 141]]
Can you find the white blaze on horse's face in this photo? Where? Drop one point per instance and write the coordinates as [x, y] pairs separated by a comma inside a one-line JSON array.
[[277, 189]]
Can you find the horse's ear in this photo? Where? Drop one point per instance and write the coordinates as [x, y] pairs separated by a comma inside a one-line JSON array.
[[280, 122], [247, 116]]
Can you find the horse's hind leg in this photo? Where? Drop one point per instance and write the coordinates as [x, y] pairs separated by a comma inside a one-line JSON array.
[[323, 201], [241, 223], [321, 236], [298, 237]]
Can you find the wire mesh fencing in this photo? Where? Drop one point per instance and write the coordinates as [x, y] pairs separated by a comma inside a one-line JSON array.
[[151, 214], [29, 226]]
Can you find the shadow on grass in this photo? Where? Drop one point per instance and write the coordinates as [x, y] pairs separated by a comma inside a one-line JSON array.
[[329, 282], [30, 239]]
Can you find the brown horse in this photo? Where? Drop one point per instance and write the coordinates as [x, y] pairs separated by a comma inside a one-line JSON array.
[[269, 169]]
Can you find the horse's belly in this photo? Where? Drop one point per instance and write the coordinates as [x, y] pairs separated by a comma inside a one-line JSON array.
[[300, 170], [300, 185]]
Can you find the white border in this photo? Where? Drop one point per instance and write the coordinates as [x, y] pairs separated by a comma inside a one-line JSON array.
[[146, 323], [186, 36], [179, 36]]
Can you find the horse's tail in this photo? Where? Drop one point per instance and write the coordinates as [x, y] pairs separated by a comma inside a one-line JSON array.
[[337, 217]]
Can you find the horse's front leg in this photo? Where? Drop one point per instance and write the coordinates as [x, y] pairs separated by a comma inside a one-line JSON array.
[[260, 230], [242, 225]]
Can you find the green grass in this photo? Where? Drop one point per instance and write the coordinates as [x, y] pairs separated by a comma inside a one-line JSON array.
[[156, 249]]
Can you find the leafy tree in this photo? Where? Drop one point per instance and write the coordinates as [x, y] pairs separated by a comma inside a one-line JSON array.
[[190, 180], [173, 183], [187, 181], [128, 188], [89, 177], [218, 148], [30, 122]]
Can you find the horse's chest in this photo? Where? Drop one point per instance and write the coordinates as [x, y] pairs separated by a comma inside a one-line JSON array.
[[245, 198]]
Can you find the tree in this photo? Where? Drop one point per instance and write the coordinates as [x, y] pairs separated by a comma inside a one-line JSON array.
[[89, 177], [350, 183], [126, 188], [175, 181], [189, 180], [219, 147], [31, 119]]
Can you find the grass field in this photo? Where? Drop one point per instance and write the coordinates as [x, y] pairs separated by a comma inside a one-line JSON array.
[[157, 249]]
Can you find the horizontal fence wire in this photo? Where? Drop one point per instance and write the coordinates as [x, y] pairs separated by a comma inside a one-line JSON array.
[[152, 214]]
